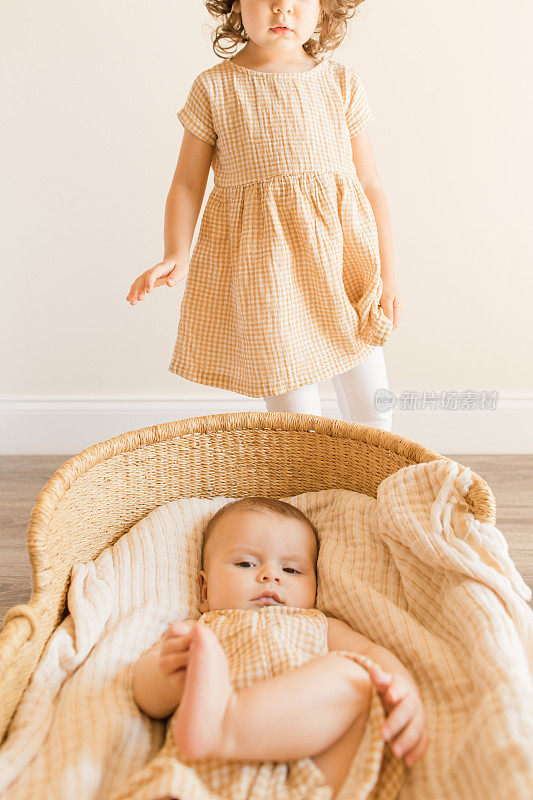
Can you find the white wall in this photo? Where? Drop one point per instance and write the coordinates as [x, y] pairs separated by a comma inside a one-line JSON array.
[[90, 139]]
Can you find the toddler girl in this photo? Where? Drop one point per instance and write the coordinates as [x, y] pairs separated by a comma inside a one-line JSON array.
[[258, 677], [289, 283]]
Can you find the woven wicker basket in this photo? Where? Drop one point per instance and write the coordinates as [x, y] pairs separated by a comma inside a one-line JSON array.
[[96, 496]]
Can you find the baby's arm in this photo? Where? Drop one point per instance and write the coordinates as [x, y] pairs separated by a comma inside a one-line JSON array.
[[406, 720], [159, 674], [342, 637]]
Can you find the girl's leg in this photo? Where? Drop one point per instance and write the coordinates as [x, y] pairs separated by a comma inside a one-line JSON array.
[[294, 715], [356, 390], [304, 400]]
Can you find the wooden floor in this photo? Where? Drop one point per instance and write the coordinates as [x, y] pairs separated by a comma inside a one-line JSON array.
[[22, 477]]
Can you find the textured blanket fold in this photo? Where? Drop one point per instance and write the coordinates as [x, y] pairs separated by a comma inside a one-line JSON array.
[[412, 570]]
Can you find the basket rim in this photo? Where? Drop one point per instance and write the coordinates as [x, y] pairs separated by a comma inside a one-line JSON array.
[[63, 478]]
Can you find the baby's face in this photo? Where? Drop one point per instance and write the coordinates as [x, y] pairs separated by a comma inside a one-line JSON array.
[[251, 552]]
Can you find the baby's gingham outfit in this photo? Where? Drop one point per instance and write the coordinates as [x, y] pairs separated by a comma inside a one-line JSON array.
[[284, 281], [261, 643]]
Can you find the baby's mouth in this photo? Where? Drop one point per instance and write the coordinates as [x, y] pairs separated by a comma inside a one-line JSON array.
[[268, 598]]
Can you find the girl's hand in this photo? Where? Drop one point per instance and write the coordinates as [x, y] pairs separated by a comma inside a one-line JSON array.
[[169, 271], [174, 655], [390, 301], [401, 694]]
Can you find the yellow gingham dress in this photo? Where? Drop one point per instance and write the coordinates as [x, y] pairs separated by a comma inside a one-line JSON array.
[[259, 644], [284, 281]]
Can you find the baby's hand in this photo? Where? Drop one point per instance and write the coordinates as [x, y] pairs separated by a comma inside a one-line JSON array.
[[174, 653], [401, 694], [169, 271]]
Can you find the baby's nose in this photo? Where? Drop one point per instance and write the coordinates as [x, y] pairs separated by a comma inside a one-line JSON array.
[[270, 573]]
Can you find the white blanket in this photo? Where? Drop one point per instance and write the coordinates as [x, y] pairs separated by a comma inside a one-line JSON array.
[[412, 570]]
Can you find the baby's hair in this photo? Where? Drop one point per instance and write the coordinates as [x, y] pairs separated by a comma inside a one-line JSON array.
[[330, 30], [257, 503]]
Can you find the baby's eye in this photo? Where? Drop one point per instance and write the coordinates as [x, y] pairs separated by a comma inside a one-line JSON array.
[[295, 571], [243, 562]]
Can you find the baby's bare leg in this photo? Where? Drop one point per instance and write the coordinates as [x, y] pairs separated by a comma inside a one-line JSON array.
[[294, 715]]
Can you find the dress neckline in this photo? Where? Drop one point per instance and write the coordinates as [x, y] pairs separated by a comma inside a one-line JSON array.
[[275, 74], [263, 610]]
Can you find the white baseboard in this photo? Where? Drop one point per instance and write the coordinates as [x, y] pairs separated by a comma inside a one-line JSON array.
[[67, 426]]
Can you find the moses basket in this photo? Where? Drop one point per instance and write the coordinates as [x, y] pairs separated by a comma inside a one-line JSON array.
[[97, 495]]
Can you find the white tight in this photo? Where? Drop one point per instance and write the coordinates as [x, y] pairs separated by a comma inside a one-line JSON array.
[[355, 394]]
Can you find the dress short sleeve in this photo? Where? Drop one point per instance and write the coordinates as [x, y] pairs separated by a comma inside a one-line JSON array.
[[358, 112], [196, 113]]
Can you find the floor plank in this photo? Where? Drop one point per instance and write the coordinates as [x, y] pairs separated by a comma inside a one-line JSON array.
[[22, 478]]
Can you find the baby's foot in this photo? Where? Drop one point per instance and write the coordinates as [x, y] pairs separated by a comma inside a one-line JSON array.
[[197, 726]]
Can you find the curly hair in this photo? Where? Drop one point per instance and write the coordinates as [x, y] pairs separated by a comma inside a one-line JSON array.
[[257, 503], [330, 30]]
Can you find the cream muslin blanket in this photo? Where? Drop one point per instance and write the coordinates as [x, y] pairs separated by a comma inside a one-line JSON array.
[[412, 570]]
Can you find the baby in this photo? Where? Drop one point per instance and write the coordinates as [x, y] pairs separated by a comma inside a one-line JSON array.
[[259, 555]]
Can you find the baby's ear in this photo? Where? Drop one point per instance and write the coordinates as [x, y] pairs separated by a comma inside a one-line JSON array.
[[202, 581]]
